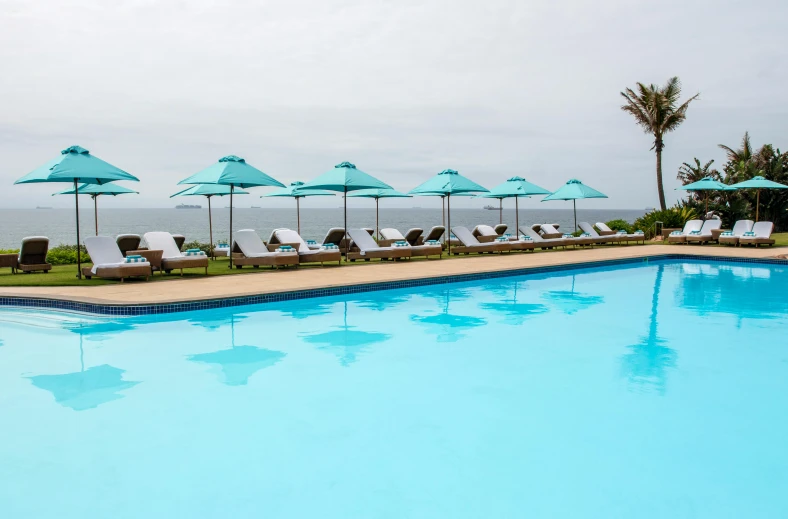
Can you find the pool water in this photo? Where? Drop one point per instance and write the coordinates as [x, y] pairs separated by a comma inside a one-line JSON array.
[[651, 390]]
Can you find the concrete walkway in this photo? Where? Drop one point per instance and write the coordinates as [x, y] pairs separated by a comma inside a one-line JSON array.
[[263, 282]]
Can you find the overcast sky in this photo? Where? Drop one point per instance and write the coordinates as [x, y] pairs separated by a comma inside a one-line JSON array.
[[403, 89]]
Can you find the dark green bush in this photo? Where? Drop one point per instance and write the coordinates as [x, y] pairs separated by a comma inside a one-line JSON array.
[[9, 251], [66, 255], [673, 217], [620, 225]]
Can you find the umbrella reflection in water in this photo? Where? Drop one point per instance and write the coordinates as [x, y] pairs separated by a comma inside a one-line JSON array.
[[515, 313], [571, 302], [446, 326]]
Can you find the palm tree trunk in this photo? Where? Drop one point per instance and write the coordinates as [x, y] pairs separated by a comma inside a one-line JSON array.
[[660, 189]]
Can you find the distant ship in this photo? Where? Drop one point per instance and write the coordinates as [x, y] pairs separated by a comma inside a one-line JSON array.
[[490, 208], [188, 206]]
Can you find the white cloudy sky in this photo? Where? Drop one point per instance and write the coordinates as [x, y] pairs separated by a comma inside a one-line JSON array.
[[402, 88]]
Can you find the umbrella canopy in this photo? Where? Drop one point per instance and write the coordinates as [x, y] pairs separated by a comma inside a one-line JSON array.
[[208, 191], [96, 190], [515, 187], [343, 178], [232, 171], [296, 190], [74, 165], [707, 184], [574, 190], [377, 194], [759, 183], [445, 184]]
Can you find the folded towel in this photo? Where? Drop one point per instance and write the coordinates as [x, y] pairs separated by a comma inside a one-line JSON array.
[[749, 233], [726, 233], [676, 233], [639, 232], [502, 239], [329, 246], [401, 243], [524, 237], [134, 256], [223, 245], [311, 242], [621, 232], [190, 252], [285, 249], [135, 259], [432, 242], [694, 232], [568, 235]]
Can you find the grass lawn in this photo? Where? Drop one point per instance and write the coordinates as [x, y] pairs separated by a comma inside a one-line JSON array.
[[65, 275]]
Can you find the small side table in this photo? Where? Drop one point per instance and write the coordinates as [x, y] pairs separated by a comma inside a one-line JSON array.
[[9, 260], [667, 230], [715, 234], [153, 257]]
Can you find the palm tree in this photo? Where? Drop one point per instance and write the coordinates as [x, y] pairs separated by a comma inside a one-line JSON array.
[[743, 154], [657, 111], [689, 173]]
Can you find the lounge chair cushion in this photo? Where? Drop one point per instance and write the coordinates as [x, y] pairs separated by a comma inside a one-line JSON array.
[[742, 226], [251, 245], [105, 253], [164, 242], [290, 236], [435, 233], [500, 229], [364, 241], [483, 230], [465, 236], [762, 231], [392, 234], [412, 236]]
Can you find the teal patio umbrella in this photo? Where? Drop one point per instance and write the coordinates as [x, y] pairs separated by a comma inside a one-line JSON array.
[[208, 191], [758, 183], [574, 190], [96, 190], [345, 177], [234, 172], [707, 184], [515, 187], [75, 165], [295, 190], [447, 183], [377, 194]]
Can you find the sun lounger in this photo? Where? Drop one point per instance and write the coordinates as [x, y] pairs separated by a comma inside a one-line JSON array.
[[471, 244], [435, 234], [33, 254], [334, 236], [127, 242], [484, 233], [172, 258], [391, 236], [305, 254], [681, 236], [249, 250], [587, 228], [362, 246], [739, 228], [704, 236], [549, 230], [761, 235], [110, 263], [180, 239], [413, 235], [543, 243], [604, 230], [501, 229]]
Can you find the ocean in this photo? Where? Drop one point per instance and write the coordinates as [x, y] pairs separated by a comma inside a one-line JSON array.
[[58, 224]]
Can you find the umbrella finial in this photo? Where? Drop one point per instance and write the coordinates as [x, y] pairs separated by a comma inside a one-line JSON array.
[[449, 172], [516, 179], [574, 181], [346, 165], [75, 149], [297, 183], [232, 158]]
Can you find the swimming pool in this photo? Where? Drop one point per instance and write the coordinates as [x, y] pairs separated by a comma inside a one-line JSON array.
[[654, 389]]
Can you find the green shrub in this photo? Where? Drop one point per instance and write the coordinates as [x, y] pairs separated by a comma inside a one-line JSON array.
[[205, 247], [9, 251], [66, 255], [620, 225], [673, 217]]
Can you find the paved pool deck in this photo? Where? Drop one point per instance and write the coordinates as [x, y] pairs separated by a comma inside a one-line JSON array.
[[278, 281]]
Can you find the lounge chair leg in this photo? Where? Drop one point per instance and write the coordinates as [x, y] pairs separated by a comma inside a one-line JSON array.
[[181, 272]]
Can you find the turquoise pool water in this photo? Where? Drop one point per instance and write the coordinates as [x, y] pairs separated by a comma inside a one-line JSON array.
[[654, 390]]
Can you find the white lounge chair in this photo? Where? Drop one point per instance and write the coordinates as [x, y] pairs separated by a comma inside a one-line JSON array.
[[681, 237], [334, 236], [484, 233], [390, 236], [172, 258], [249, 249], [739, 228], [369, 249], [471, 244], [305, 254], [543, 243], [435, 234], [705, 235], [548, 230], [762, 235], [109, 262], [604, 230], [595, 236]]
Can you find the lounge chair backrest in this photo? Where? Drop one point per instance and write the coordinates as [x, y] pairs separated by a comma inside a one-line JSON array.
[[435, 233], [587, 227], [465, 236], [536, 226], [763, 229], [742, 226], [371, 232], [483, 230], [103, 250], [272, 239], [412, 236], [362, 239], [127, 242], [334, 235], [391, 234], [692, 225], [708, 225], [34, 250], [249, 242], [500, 229], [529, 231], [290, 236], [164, 242], [602, 226], [548, 228], [180, 239]]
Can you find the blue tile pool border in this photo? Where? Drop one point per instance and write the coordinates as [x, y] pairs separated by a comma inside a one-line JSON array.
[[209, 304]]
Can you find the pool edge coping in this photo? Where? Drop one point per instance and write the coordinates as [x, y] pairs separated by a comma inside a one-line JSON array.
[[120, 309]]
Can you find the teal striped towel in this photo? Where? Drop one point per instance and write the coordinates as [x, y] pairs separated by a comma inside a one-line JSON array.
[[401, 243], [193, 252], [502, 239], [568, 235], [311, 242], [223, 245], [726, 233], [135, 259], [639, 232], [432, 242], [585, 235], [330, 246], [524, 237], [748, 233], [676, 233], [621, 232]]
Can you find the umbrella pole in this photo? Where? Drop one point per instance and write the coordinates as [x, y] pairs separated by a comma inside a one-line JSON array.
[[298, 214], [443, 216], [757, 204], [95, 211], [232, 187], [707, 205], [210, 228], [76, 203], [574, 206], [377, 218], [517, 218], [347, 242], [500, 211], [448, 231]]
